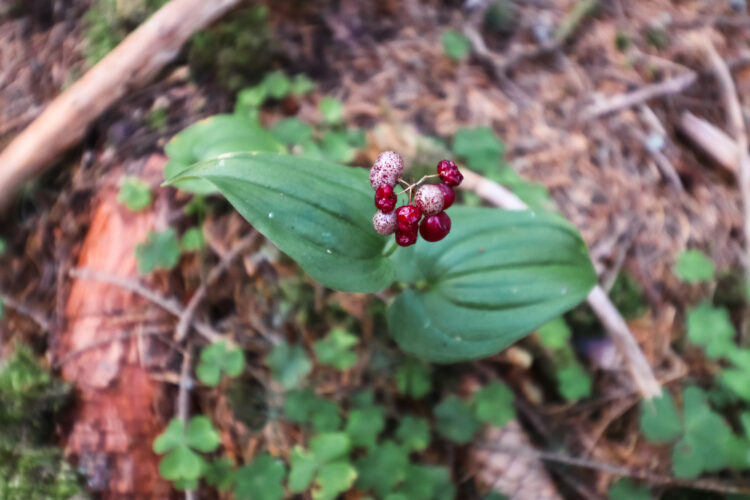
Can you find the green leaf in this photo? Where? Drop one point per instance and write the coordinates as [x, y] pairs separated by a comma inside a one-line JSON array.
[[711, 328], [497, 276], [738, 381], [220, 474], [455, 421], [159, 251], [659, 420], [365, 425], [288, 364], [291, 131], [302, 85], [413, 378], [277, 84], [494, 404], [332, 110], [336, 148], [624, 489], [456, 45], [249, 99], [332, 479], [192, 240], [555, 334], [134, 194], [305, 407], [181, 463], [302, 469], [261, 480], [320, 214], [382, 468], [693, 266], [574, 382], [201, 435], [171, 437], [336, 350], [2, 309], [209, 138], [413, 433], [424, 482], [3, 246], [217, 358], [480, 147], [330, 446]]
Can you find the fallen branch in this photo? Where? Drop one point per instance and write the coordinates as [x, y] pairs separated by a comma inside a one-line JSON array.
[[130, 65], [614, 324], [670, 86], [711, 140]]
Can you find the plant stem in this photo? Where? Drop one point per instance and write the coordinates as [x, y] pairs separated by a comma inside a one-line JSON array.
[[390, 249]]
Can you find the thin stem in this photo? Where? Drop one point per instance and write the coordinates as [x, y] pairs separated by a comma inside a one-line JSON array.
[[391, 249]]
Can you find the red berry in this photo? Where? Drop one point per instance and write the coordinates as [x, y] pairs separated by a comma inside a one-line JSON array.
[[449, 195], [406, 238], [384, 223], [385, 200], [435, 227], [408, 217], [449, 173], [429, 199], [386, 169]]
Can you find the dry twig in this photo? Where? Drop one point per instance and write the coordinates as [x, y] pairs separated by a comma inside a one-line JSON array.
[[131, 64], [711, 140], [607, 313], [20, 308]]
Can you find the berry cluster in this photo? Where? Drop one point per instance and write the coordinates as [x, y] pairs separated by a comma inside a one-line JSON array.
[[430, 200]]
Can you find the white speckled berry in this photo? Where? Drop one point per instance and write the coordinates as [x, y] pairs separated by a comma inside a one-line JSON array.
[[385, 224], [386, 170], [429, 199]]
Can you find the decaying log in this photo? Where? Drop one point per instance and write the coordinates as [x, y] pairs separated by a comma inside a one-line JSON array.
[[130, 65], [114, 418]]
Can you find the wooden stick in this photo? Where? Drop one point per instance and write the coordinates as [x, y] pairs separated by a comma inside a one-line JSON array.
[[130, 65], [711, 139], [610, 317]]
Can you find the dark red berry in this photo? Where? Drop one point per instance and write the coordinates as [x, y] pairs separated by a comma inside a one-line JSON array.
[[406, 238], [435, 227], [449, 173], [408, 217], [449, 195], [385, 200]]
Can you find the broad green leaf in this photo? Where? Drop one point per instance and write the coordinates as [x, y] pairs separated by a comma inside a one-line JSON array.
[[211, 137], [332, 110], [134, 193], [624, 489], [220, 473], [201, 435], [494, 404], [261, 480], [413, 378], [320, 214], [332, 479], [192, 240], [382, 468], [574, 382], [217, 358], [455, 45], [159, 251], [693, 266], [365, 425], [497, 276], [481, 148], [291, 131], [336, 350], [454, 420], [413, 433], [659, 420], [711, 328], [289, 364]]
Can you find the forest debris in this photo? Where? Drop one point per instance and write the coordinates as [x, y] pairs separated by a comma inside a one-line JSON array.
[[711, 140], [613, 322], [130, 65]]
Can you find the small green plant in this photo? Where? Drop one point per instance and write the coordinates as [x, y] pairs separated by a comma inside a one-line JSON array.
[[289, 364], [573, 382], [161, 250], [182, 444], [262, 479], [624, 489], [134, 194], [336, 350], [455, 420], [456, 45], [216, 359], [192, 240], [693, 267]]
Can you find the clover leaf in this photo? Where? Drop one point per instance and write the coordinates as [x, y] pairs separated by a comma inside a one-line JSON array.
[[711, 328], [134, 194], [455, 420], [494, 404], [364, 425], [192, 240], [261, 479], [305, 407], [288, 364], [427, 482], [413, 433], [326, 464], [413, 378], [336, 350], [218, 358], [179, 444], [161, 250], [221, 474], [693, 266], [332, 110], [382, 468], [455, 45], [624, 489], [659, 420]]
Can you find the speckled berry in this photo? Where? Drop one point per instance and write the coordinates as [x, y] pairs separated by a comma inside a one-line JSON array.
[[435, 227], [449, 195], [386, 170], [429, 199], [449, 173], [406, 238], [385, 200], [408, 217], [384, 223]]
